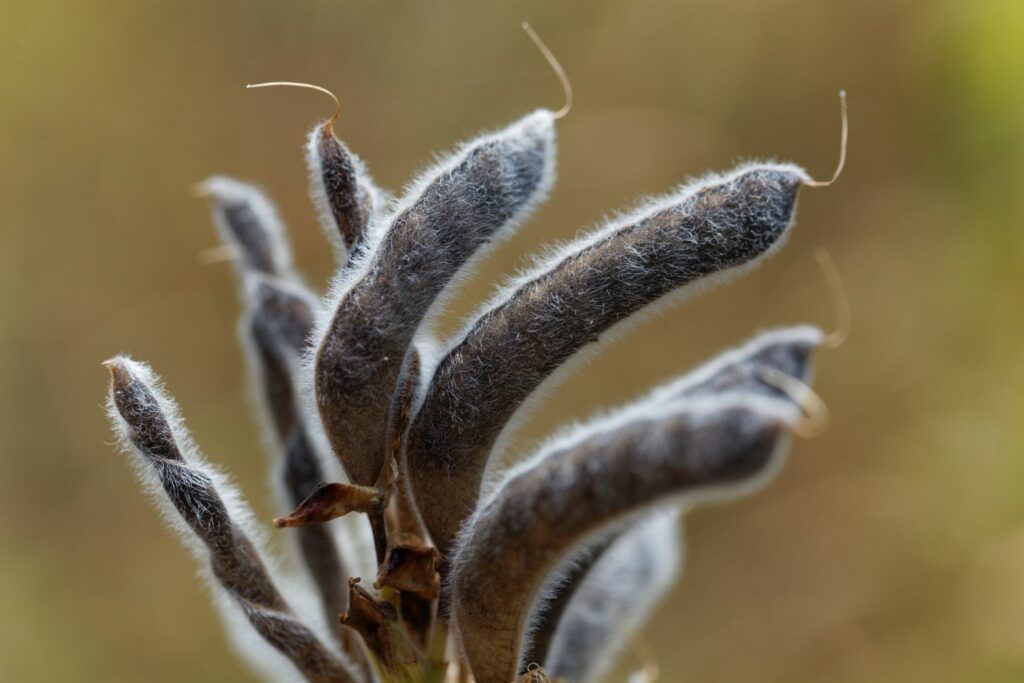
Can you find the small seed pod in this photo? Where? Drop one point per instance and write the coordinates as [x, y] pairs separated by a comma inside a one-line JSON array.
[[341, 188], [689, 449], [340, 185], [276, 330], [705, 232], [453, 212], [248, 221], [147, 424]]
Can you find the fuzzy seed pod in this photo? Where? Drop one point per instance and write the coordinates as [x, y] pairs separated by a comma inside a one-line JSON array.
[[688, 448], [146, 421], [279, 321], [614, 599], [279, 318], [787, 351], [247, 220], [341, 188], [455, 210], [707, 230]]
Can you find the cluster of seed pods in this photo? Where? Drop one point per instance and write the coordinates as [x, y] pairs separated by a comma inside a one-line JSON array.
[[442, 563]]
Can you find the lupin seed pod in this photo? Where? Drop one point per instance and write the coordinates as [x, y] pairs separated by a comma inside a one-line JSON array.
[[466, 202], [749, 367], [275, 329], [706, 231], [692, 449], [787, 351], [207, 511], [340, 185]]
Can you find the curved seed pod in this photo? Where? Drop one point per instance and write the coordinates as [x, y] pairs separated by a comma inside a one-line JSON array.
[[692, 448], [278, 324], [275, 331], [711, 228], [341, 188], [247, 220], [449, 215], [206, 510], [613, 601], [786, 350]]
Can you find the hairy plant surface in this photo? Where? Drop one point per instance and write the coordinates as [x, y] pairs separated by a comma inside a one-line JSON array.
[[426, 561]]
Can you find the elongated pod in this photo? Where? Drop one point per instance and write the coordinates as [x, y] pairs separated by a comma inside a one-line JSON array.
[[710, 228], [279, 322], [341, 187], [788, 351], [548, 610], [654, 453], [209, 514], [454, 210], [275, 330]]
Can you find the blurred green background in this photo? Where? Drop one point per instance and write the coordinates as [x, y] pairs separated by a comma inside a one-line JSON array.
[[889, 549]]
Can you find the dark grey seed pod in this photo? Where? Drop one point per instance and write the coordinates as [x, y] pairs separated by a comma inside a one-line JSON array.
[[613, 600], [247, 220], [448, 216], [147, 424], [647, 454], [787, 351], [275, 330], [705, 231], [341, 188], [279, 321]]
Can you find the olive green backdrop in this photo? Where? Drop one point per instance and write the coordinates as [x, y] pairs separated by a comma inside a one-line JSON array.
[[889, 549]]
